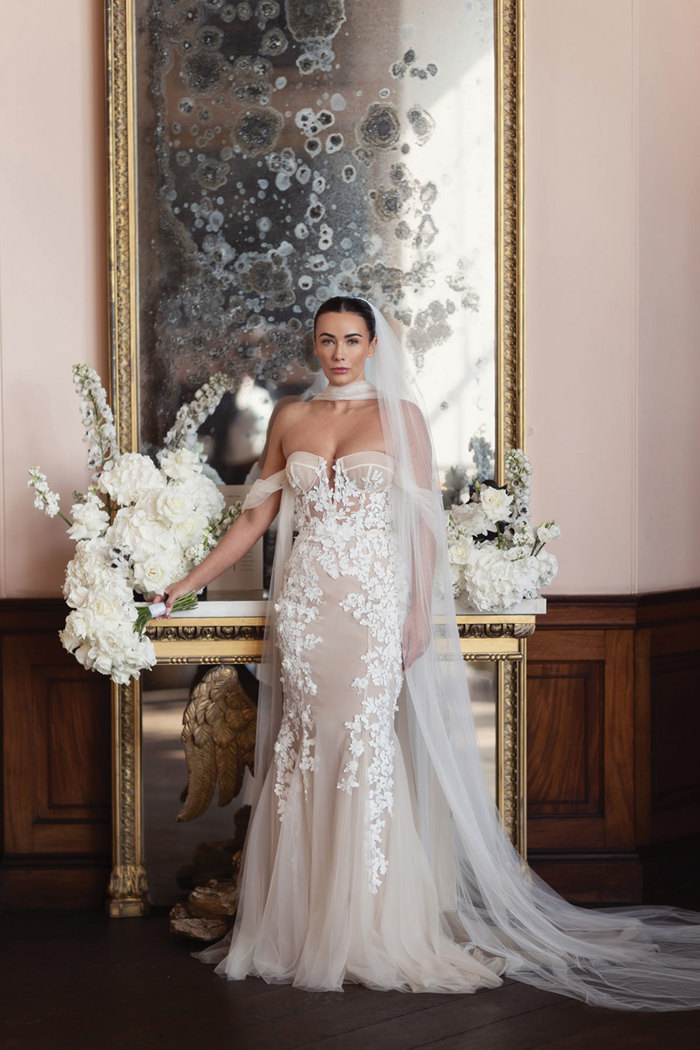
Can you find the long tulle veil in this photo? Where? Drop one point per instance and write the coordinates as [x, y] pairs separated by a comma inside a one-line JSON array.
[[628, 958]]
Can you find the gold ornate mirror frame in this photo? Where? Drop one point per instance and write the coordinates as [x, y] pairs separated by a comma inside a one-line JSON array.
[[495, 638]]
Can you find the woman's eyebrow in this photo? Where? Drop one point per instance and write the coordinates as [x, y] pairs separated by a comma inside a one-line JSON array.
[[348, 335]]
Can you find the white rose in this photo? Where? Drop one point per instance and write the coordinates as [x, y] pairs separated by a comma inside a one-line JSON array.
[[189, 532], [152, 576], [459, 552], [496, 503], [90, 519], [172, 504], [181, 464], [126, 479]]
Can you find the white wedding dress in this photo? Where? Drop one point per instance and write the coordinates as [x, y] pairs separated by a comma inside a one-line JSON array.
[[375, 852], [336, 885]]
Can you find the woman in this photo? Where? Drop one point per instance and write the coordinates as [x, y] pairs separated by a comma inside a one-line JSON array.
[[375, 853]]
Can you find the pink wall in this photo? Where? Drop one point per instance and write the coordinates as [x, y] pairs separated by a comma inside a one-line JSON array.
[[613, 244], [52, 269], [668, 307], [613, 235]]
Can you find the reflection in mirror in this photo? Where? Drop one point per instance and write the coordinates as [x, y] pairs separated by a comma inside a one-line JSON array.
[[293, 151], [289, 151], [179, 853], [182, 854], [482, 677]]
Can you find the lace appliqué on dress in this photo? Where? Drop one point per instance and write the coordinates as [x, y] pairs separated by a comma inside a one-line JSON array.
[[345, 530]]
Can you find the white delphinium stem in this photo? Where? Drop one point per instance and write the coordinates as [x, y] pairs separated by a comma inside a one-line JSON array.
[[183, 433], [518, 471], [100, 434], [44, 498]]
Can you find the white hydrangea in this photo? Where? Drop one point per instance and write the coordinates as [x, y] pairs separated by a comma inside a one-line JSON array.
[[127, 478], [471, 519], [180, 464]]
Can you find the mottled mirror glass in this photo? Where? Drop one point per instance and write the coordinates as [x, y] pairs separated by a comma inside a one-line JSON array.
[[289, 151]]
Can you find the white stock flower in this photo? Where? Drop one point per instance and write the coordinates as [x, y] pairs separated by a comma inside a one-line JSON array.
[[180, 464], [496, 503], [90, 519], [127, 479], [523, 535], [44, 498]]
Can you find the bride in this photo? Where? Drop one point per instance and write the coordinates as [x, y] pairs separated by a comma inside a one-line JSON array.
[[375, 853]]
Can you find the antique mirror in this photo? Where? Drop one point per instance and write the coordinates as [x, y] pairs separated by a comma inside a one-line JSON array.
[[264, 155]]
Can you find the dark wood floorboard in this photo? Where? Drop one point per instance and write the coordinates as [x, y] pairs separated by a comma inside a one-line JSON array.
[[81, 981]]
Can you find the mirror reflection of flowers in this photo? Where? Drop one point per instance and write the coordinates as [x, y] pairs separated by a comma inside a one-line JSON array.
[[138, 527], [496, 558]]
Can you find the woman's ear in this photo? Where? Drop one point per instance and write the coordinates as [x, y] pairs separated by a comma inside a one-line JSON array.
[[372, 347]]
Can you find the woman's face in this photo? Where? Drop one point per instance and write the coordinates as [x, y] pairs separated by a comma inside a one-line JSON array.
[[342, 345]]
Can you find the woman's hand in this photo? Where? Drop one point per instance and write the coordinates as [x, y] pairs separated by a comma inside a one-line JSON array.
[[416, 636], [170, 596]]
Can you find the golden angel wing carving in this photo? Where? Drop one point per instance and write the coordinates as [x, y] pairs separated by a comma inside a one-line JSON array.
[[219, 739]]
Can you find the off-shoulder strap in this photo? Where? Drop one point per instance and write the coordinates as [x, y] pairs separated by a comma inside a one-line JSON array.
[[262, 488]]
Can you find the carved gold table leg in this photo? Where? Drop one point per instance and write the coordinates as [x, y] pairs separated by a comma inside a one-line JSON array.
[[511, 769], [128, 884]]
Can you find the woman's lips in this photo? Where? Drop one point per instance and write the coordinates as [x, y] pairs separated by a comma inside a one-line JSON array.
[[341, 371]]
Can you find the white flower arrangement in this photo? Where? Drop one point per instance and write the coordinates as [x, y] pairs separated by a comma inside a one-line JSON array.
[[164, 521], [496, 559]]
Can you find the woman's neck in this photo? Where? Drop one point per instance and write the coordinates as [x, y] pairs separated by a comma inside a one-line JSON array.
[[357, 390]]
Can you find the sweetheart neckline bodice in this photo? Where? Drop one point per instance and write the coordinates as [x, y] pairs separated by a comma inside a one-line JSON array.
[[340, 459]]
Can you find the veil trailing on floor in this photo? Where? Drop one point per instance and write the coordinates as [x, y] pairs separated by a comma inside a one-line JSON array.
[[628, 958]]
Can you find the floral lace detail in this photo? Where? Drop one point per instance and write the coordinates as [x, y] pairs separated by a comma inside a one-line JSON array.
[[345, 529], [298, 607]]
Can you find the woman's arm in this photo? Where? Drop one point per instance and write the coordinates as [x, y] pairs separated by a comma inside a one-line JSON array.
[[243, 534]]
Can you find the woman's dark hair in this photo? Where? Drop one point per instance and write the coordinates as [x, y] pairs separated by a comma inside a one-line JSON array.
[[348, 304]]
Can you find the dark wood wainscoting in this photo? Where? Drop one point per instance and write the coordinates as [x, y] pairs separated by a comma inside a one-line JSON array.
[[56, 807], [613, 735], [613, 731]]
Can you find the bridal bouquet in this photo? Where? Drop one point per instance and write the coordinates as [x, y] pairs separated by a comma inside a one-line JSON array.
[[496, 558], [164, 519]]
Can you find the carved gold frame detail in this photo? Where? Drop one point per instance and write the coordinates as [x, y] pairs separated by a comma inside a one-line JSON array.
[[502, 639]]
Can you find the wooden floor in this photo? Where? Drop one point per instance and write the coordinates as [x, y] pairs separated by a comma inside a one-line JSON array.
[[81, 981]]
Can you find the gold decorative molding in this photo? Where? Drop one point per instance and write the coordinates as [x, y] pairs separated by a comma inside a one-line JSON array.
[[128, 886], [510, 371], [511, 748]]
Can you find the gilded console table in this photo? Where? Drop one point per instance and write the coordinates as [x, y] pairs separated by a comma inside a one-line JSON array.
[[232, 633]]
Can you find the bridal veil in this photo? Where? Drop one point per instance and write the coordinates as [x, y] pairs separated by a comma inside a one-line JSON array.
[[628, 958]]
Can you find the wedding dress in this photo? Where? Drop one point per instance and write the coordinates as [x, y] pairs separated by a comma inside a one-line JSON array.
[[334, 863], [383, 860]]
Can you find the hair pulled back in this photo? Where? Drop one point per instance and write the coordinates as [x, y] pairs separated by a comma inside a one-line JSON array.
[[348, 304]]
